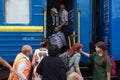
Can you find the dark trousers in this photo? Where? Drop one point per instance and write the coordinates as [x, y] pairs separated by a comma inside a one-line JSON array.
[[51, 30], [45, 79], [66, 31]]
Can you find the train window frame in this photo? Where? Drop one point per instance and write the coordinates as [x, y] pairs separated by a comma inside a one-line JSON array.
[[28, 12]]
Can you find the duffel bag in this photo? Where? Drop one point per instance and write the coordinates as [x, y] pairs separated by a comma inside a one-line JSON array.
[[58, 39]]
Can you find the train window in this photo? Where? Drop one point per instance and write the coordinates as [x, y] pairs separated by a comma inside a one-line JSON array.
[[17, 11]]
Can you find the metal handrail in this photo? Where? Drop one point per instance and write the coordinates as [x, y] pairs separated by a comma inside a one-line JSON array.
[[79, 26], [45, 16]]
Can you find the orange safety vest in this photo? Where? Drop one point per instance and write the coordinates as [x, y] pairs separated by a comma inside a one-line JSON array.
[[19, 59]]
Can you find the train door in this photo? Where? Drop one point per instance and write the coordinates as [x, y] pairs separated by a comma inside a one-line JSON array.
[[84, 23], [21, 22], [71, 7]]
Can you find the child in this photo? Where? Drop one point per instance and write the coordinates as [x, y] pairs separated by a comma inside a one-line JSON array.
[[101, 60], [39, 55], [74, 76]]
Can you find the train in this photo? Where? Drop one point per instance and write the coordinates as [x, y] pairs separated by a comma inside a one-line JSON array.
[[25, 22]]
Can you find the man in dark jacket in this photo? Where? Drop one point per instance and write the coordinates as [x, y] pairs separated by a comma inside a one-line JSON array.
[[52, 67], [53, 20]]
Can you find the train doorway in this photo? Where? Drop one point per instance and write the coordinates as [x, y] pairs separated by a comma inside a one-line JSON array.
[[70, 6], [95, 23]]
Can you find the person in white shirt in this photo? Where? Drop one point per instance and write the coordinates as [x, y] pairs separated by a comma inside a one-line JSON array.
[[54, 14], [39, 54], [63, 17]]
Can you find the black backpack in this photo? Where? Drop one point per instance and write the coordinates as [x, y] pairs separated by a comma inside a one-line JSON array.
[[66, 60]]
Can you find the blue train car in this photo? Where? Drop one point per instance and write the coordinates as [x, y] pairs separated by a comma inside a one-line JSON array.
[[114, 30], [25, 22], [21, 22], [109, 28]]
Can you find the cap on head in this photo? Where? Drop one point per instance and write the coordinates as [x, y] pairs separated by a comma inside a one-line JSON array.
[[54, 9]]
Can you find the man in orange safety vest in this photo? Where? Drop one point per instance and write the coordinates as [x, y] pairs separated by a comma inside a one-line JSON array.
[[22, 64]]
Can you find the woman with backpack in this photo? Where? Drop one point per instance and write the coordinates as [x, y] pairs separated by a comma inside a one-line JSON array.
[[71, 59], [102, 64], [39, 54]]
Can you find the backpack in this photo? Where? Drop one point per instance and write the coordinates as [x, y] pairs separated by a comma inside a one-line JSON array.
[[65, 58], [113, 67], [66, 62]]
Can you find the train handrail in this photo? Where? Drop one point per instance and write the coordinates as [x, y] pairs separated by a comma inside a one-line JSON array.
[[79, 25], [45, 16], [73, 37]]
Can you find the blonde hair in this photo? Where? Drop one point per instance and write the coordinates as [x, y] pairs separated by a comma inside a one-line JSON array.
[[74, 76]]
